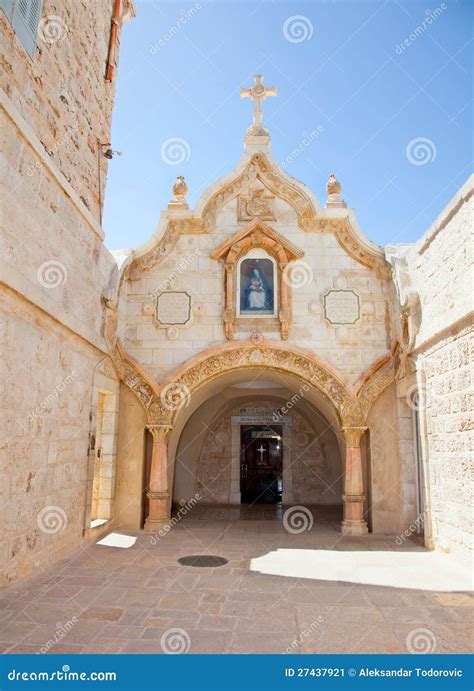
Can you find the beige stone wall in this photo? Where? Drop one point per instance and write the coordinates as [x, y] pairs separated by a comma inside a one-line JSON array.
[[439, 267], [129, 496], [54, 269], [410, 484], [189, 445], [213, 472], [62, 93], [46, 412], [384, 492]]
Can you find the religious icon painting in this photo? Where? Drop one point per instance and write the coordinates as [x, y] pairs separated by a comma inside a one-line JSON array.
[[257, 286]]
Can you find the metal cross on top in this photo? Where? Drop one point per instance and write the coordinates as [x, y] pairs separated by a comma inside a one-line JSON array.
[[258, 93]]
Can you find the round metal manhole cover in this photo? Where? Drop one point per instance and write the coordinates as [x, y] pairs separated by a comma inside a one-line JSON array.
[[208, 560]]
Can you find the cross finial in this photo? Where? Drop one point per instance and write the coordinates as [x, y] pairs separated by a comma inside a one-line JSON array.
[[258, 93]]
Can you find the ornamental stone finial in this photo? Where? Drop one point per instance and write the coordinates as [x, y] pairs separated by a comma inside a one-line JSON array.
[[333, 189], [180, 190], [333, 186]]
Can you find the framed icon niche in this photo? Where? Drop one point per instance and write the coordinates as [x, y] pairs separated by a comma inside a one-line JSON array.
[[255, 260], [257, 285]]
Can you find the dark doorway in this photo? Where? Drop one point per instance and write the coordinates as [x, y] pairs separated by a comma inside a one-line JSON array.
[[261, 464]]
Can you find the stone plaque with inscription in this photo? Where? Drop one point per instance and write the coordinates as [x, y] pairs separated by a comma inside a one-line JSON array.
[[173, 307], [341, 307]]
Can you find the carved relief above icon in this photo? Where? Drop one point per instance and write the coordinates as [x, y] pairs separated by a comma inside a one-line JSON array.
[[257, 203]]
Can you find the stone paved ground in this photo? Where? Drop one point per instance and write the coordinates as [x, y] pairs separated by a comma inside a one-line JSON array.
[[105, 599]]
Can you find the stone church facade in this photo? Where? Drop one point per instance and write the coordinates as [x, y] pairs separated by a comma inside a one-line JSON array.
[[132, 377]]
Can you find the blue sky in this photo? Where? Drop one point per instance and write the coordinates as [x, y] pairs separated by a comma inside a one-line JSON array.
[[378, 92]]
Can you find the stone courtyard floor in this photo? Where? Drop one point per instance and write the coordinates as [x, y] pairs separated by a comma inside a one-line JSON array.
[[312, 592]]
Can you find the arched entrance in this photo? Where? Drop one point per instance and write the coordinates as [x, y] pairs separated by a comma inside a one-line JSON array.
[[304, 375], [257, 442]]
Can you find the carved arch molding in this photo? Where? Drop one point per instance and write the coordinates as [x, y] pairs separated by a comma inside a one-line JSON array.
[[164, 402]]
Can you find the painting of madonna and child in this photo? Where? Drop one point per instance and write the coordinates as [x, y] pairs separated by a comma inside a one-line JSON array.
[[257, 287]]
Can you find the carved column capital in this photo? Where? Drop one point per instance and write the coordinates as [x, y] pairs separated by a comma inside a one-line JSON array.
[[160, 432], [352, 435]]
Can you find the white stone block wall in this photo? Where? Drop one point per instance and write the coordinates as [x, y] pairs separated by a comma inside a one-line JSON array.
[[440, 271], [447, 376]]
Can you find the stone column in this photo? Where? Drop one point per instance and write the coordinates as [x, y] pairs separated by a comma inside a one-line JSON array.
[[158, 494], [353, 498]]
